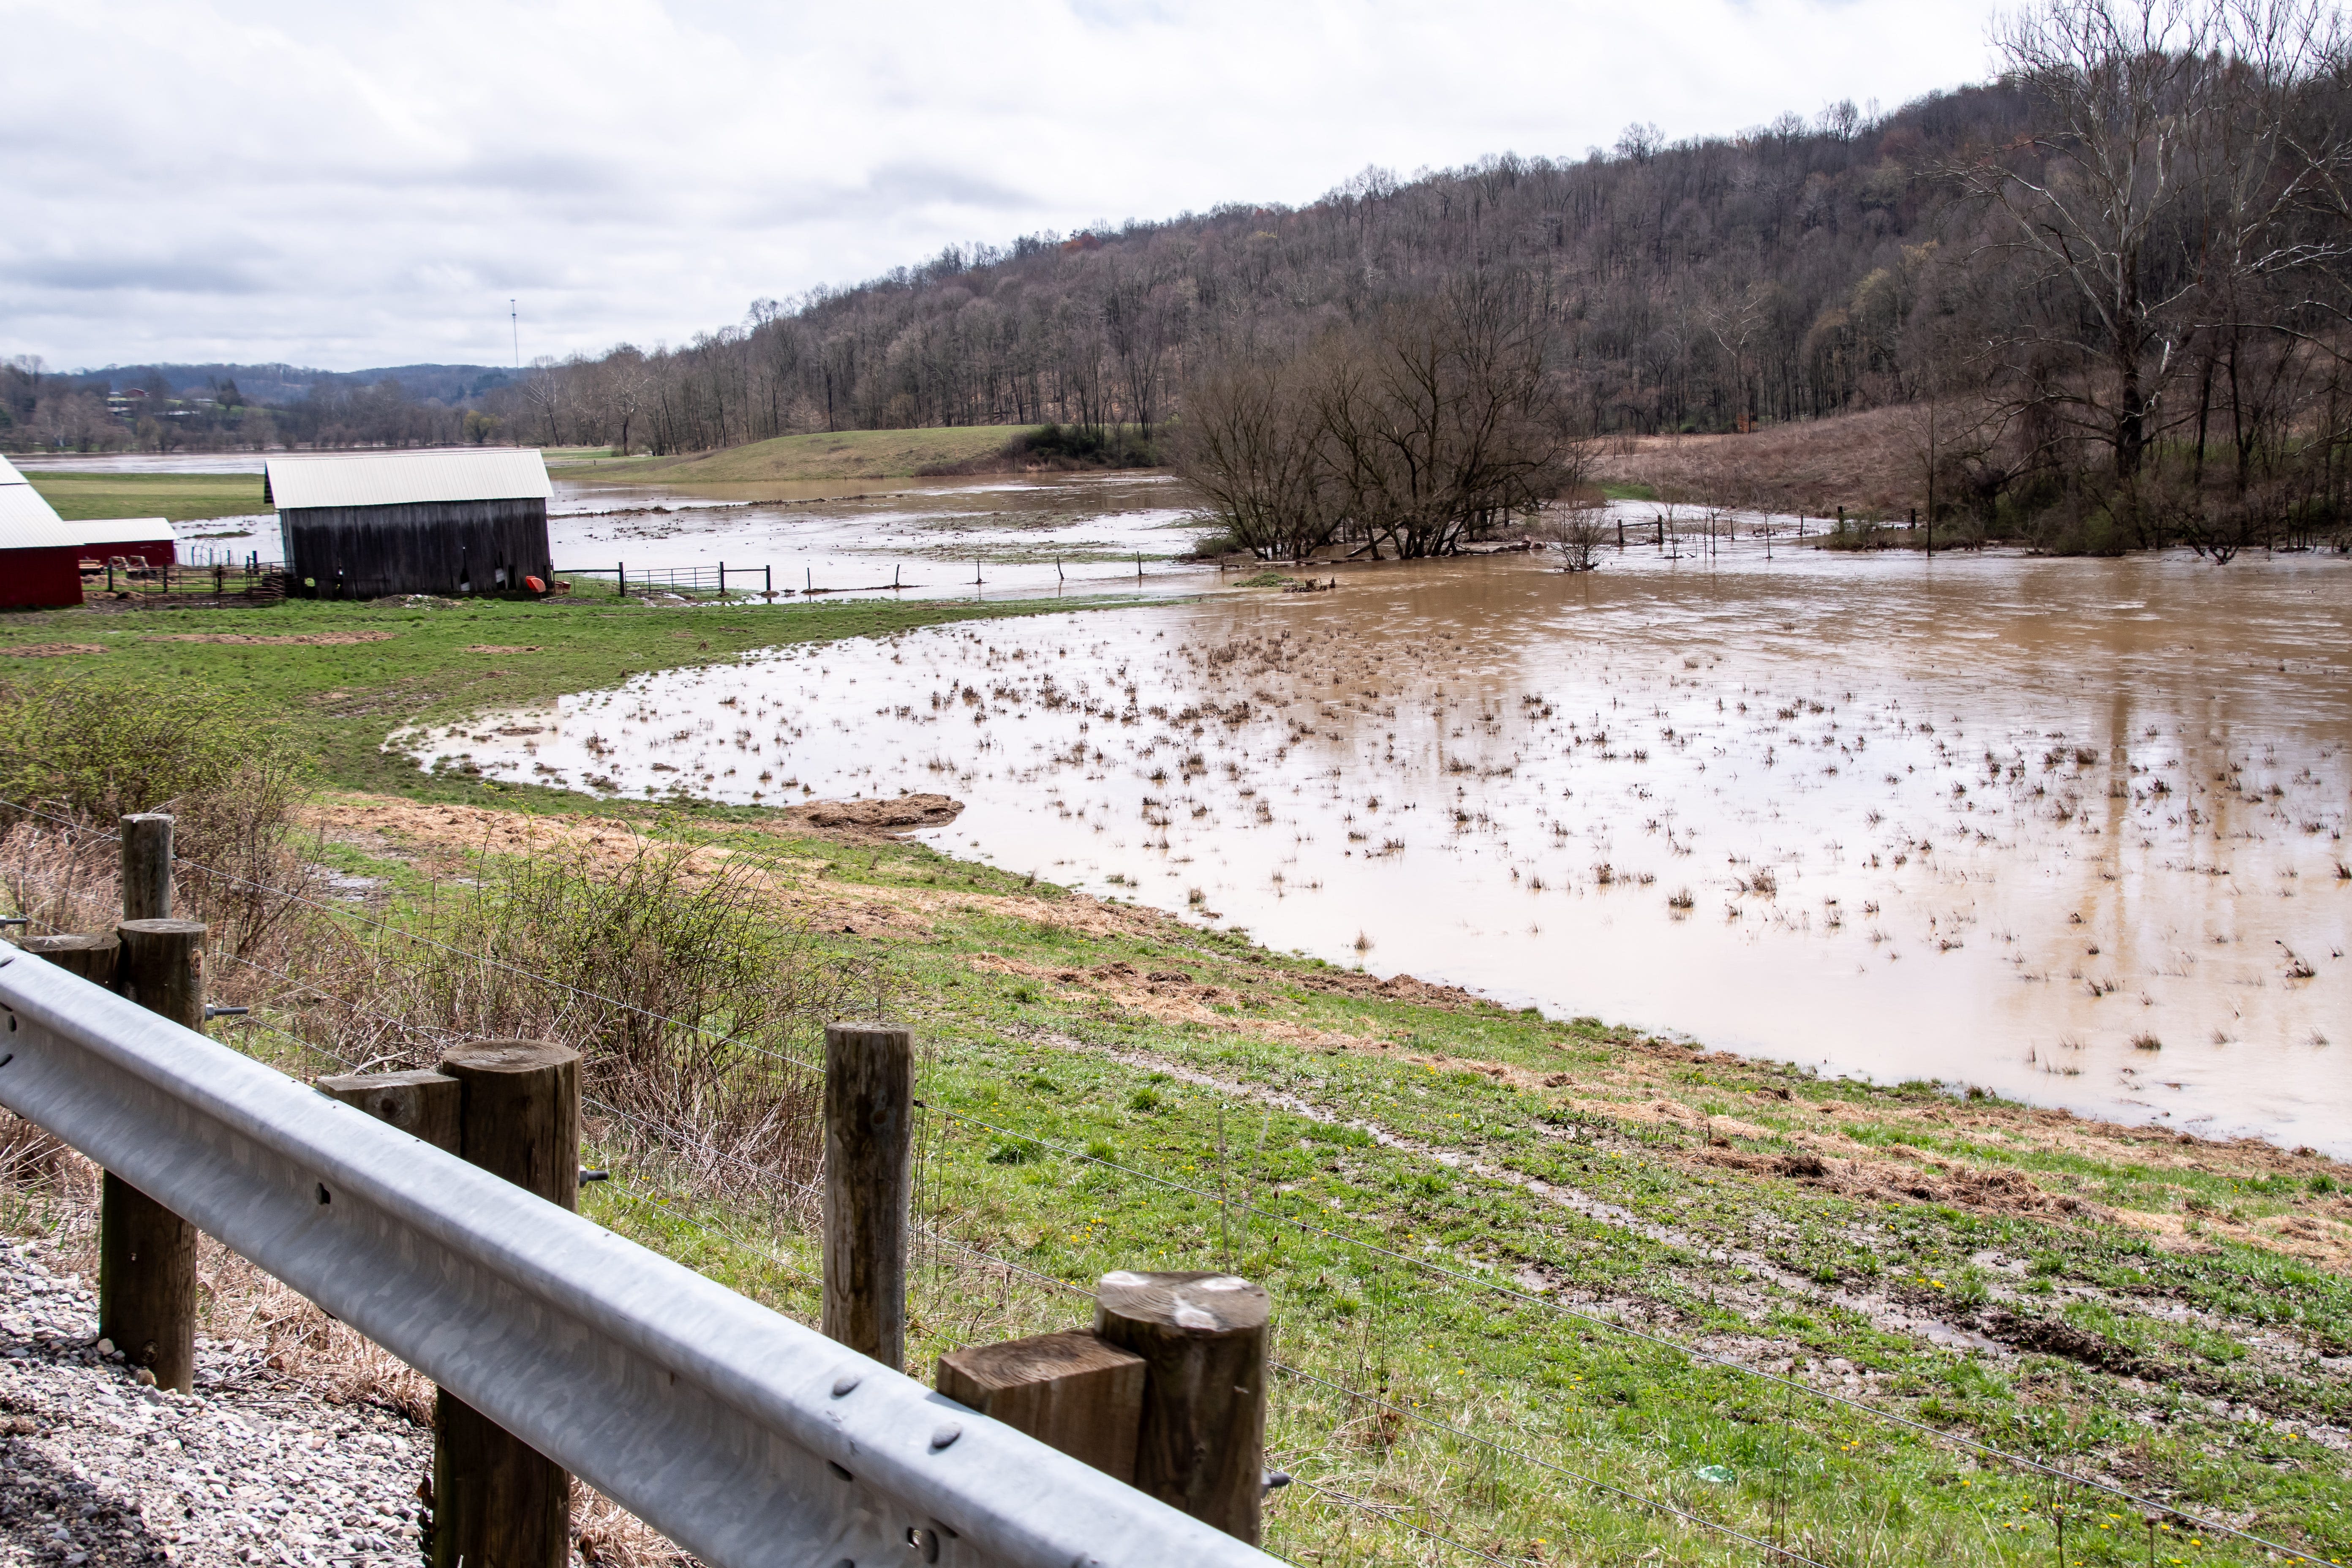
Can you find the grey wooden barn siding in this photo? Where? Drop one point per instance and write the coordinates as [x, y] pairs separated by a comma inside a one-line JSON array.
[[427, 547]]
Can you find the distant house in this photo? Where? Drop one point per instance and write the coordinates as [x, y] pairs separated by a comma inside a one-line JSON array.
[[147, 539], [469, 521], [40, 560]]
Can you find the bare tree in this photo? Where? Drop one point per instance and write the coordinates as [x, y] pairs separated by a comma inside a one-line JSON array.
[[2166, 173], [1252, 442]]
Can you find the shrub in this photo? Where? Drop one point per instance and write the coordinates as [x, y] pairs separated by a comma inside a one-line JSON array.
[[76, 756]]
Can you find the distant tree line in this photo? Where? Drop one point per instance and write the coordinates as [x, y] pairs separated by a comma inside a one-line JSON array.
[[81, 411]]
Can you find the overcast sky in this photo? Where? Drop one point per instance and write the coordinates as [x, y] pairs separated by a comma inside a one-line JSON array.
[[346, 185]]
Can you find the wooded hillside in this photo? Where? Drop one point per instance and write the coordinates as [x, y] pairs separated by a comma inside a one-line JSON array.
[[1763, 274]]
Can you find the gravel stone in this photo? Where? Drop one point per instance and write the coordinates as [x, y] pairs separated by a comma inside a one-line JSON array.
[[97, 1470]]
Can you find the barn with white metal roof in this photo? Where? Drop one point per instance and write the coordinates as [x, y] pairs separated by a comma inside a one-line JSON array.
[[469, 521], [40, 559], [147, 539]]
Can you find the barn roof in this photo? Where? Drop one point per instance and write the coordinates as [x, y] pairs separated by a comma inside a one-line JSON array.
[[26, 522], [120, 531], [403, 478]]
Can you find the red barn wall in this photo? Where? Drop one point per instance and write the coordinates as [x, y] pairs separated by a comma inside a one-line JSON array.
[[40, 579]]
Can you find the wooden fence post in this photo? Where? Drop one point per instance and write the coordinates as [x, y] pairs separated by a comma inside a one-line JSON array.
[[497, 1502], [147, 1254], [425, 1104], [161, 967], [147, 867], [869, 1085], [91, 956], [1071, 1391], [1202, 1446]]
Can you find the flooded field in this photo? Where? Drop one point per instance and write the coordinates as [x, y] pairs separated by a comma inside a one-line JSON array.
[[987, 538], [2072, 830], [992, 538]]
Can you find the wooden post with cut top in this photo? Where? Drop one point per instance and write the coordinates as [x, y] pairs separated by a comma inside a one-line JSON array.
[[147, 1254], [1073, 1391], [497, 1502], [423, 1104], [147, 867], [1202, 1339], [89, 954], [869, 1087]]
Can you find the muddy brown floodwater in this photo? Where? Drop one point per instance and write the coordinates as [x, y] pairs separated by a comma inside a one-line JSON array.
[[2072, 830]]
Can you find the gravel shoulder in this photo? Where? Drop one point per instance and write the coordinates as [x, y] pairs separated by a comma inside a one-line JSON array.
[[97, 1468]]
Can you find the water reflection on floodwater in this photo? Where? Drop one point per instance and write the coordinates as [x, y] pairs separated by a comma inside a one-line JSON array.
[[2069, 829]]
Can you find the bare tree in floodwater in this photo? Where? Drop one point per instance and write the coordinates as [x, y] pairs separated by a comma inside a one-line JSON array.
[[1435, 418], [1253, 444], [1577, 533]]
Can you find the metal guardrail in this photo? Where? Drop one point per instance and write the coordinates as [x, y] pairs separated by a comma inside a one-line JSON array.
[[746, 1438]]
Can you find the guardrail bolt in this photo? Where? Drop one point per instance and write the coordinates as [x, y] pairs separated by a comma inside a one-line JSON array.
[[497, 1502], [869, 1086]]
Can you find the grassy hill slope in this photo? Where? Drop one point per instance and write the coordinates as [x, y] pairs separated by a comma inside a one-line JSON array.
[[180, 496], [842, 454]]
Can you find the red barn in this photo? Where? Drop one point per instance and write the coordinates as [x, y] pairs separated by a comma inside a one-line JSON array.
[[147, 539], [40, 559]]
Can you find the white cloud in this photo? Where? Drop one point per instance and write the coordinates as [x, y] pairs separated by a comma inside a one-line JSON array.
[[345, 185]]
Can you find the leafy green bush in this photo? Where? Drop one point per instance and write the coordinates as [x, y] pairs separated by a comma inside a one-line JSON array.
[[96, 749]]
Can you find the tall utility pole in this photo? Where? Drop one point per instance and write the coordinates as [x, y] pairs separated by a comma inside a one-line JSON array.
[[514, 319]]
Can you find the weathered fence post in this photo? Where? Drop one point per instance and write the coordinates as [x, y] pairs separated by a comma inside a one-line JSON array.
[[1201, 1444], [425, 1105], [1073, 1391], [147, 867], [161, 967], [497, 1502], [869, 1085], [147, 1254], [91, 956]]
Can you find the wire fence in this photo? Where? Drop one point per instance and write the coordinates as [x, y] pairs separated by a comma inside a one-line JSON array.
[[131, 578], [621, 581], [1388, 1457]]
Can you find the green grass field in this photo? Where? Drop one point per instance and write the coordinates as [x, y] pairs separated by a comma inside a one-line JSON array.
[[342, 698], [182, 498], [848, 455]]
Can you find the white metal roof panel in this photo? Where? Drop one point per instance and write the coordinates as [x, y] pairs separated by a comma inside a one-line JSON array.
[[28, 523], [403, 478], [8, 474], [120, 531]]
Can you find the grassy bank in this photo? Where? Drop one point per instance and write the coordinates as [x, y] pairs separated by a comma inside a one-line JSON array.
[[1548, 1290], [182, 498], [1534, 1275]]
